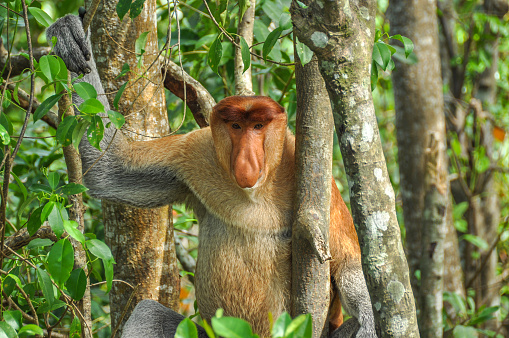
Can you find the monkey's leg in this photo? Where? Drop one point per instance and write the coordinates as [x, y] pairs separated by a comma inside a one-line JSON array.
[[153, 320]]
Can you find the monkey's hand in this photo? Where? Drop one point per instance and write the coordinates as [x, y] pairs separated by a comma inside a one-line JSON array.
[[71, 44]]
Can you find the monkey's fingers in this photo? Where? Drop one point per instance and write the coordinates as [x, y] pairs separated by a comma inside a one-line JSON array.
[[78, 33]]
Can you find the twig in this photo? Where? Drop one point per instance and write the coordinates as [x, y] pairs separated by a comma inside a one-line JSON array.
[[114, 280], [90, 14]]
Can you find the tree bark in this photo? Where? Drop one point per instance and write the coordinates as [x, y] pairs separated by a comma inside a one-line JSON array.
[[141, 240], [243, 80], [419, 111], [341, 35], [313, 159]]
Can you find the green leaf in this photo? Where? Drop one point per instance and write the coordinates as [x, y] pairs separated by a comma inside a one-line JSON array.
[[116, 118], [13, 318], [279, 328], [381, 54], [72, 229], [215, 54], [305, 54], [246, 55], [73, 188], [41, 16], [7, 331], [95, 132], [46, 286], [78, 133], [186, 329], [125, 70], [230, 327], [10, 281], [36, 187], [408, 45], [484, 316], [20, 184], [47, 307], [461, 331], [46, 106], [46, 210], [136, 8], [139, 47], [92, 106], [85, 90], [456, 146], [61, 261], [285, 21], [75, 330], [475, 240], [301, 4], [374, 75], [53, 179], [123, 7], [39, 242], [119, 95], [56, 221], [4, 135], [4, 120], [50, 67], [77, 284], [243, 6], [271, 41], [31, 329], [34, 222], [302, 326], [99, 249], [65, 129], [108, 272]]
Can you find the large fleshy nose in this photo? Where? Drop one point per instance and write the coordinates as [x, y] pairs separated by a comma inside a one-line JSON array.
[[247, 161]]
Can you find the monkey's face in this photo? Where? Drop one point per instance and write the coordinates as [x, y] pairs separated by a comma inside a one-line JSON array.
[[248, 135]]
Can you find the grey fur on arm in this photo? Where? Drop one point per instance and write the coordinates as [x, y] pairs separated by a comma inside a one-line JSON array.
[[107, 176]]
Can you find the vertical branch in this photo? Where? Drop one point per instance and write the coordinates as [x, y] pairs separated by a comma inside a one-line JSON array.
[[310, 232], [243, 80], [76, 211], [432, 257]]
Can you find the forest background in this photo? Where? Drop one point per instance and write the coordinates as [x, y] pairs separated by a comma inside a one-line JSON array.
[[453, 86]]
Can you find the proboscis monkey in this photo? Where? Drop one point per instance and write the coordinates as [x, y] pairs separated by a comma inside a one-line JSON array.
[[238, 177]]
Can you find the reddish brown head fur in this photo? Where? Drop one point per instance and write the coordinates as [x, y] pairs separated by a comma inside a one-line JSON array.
[[248, 108]]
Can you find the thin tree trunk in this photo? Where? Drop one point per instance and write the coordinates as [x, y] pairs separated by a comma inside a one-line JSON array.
[[76, 213], [141, 240], [243, 80], [341, 35], [313, 159]]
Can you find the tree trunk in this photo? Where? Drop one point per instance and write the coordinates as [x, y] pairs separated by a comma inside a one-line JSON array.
[[313, 159], [420, 120], [141, 240], [341, 35]]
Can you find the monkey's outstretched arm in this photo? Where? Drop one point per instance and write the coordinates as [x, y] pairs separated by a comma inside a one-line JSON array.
[[111, 174]]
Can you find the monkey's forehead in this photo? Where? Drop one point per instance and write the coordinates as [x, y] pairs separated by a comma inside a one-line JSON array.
[[248, 108]]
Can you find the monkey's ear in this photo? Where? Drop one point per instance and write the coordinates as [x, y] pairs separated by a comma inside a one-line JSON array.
[[82, 11]]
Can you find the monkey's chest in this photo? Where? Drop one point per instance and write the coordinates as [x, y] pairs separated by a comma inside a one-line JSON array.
[[246, 274]]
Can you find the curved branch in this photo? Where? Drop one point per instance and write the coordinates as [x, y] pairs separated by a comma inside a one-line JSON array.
[[198, 98]]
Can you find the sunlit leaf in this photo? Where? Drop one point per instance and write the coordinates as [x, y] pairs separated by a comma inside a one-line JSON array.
[[215, 54], [246, 55], [41, 16], [408, 45], [186, 329], [72, 229], [116, 118], [95, 132], [119, 95], [85, 90]]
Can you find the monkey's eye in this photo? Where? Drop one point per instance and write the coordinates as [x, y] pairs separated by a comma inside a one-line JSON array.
[[235, 126], [258, 126]]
